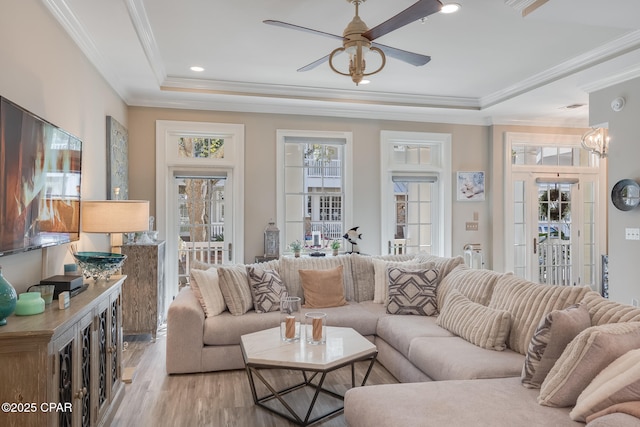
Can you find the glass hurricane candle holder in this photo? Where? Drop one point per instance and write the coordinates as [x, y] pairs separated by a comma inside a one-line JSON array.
[[290, 318], [315, 327]]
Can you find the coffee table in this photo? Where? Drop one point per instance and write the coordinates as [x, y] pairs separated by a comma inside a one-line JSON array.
[[265, 350]]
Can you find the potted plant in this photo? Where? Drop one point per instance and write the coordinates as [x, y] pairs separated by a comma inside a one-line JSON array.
[[296, 247], [335, 245]]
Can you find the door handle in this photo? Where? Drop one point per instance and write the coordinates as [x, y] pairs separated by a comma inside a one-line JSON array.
[[535, 245], [229, 252]]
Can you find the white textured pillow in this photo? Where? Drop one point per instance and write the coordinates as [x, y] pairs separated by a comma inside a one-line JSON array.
[[480, 325], [617, 383], [381, 277], [204, 284], [235, 289]]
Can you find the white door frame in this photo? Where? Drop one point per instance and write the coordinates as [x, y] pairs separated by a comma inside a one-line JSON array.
[[169, 165]]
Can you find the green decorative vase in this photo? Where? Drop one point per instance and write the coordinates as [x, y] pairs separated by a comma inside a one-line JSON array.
[[8, 299]]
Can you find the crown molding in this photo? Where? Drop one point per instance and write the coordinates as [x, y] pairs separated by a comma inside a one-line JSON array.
[[614, 79], [625, 44], [142, 27], [69, 21]]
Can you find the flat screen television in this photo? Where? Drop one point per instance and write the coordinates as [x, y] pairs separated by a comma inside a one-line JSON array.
[[39, 182]]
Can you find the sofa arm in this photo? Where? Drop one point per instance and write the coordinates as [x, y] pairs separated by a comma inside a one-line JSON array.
[[185, 333]]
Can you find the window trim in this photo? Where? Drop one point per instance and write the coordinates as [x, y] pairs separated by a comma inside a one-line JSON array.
[[281, 137], [441, 172]]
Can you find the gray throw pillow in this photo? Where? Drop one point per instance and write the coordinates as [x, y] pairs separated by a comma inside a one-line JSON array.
[[266, 289], [412, 291]]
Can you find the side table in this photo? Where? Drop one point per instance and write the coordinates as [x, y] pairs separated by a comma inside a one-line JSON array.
[[143, 294]]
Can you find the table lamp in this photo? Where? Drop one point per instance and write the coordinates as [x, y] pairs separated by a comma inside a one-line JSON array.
[[115, 217]]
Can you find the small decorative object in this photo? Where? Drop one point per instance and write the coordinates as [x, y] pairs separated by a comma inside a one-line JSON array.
[[335, 246], [296, 247], [470, 186], [316, 239], [46, 292], [29, 303], [315, 329], [271, 240], [99, 265], [289, 318], [63, 300], [352, 236], [8, 299]]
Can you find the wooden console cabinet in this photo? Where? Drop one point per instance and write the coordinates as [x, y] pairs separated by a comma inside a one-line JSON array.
[[64, 367], [143, 295]]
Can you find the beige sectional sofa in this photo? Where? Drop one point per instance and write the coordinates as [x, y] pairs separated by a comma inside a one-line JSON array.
[[456, 375]]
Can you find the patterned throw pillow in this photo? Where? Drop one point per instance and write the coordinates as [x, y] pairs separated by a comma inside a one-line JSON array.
[[555, 332], [412, 291], [266, 289]]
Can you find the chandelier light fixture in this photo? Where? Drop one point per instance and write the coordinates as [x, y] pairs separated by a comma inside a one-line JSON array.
[[356, 46], [596, 141]]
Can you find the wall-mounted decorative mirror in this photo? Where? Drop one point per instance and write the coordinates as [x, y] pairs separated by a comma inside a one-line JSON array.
[[625, 195]]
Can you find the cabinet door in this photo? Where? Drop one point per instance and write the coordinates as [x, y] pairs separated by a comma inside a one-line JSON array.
[[64, 380], [82, 407], [114, 351], [100, 361]]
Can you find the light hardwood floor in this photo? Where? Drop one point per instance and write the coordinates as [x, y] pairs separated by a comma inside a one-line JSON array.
[[211, 399]]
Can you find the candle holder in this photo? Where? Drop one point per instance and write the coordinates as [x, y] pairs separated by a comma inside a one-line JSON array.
[[290, 318], [316, 327]]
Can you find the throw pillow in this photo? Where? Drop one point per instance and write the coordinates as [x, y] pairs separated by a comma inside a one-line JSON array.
[[477, 285], [206, 287], [630, 408], [480, 325], [587, 355], [412, 291], [323, 288], [235, 289], [617, 383], [266, 289], [381, 277], [554, 333]]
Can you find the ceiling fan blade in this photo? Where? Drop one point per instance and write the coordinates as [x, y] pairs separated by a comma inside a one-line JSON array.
[[412, 13], [314, 64], [403, 55], [299, 28]]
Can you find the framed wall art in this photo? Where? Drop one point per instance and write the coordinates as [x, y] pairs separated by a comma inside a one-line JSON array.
[[117, 161], [470, 186]]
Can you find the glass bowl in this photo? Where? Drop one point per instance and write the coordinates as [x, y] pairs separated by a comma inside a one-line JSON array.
[[99, 265]]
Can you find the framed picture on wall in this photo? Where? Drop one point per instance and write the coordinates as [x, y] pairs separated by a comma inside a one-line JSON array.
[[470, 186], [117, 161]]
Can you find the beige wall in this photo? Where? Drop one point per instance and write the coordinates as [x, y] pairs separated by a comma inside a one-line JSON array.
[[470, 151], [43, 71], [624, 159]]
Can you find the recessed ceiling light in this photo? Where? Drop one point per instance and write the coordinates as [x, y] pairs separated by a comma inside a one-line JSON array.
[[198, 69], [450, 8]]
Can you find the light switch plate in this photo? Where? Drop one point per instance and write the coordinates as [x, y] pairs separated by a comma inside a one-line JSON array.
[[472, 226], [632, 233]]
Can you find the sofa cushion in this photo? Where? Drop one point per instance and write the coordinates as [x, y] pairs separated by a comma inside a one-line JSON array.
[[477, 285], [454, 358], [226, 328], [323, 288], [444, 265], [604, 311], [529, 302], [289, 267], [480, 403], [412, 291], [400, 331], [235, 288], [617, 383], [483, 326], [206, 287], [587, 355], [554, 332], [266, 289], [352, 315]]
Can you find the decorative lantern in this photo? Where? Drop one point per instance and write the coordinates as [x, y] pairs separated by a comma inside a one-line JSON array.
[[271, 241]]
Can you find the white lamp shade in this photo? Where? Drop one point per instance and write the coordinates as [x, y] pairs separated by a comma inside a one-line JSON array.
[[115, 216]]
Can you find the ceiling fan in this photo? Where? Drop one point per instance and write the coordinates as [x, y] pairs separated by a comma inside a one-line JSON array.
[[358, 39]]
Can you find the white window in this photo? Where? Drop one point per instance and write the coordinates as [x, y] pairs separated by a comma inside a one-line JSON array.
[[416, 196], [314, 186]]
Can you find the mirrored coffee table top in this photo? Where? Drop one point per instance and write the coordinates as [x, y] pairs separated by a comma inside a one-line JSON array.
[[343, 345]]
